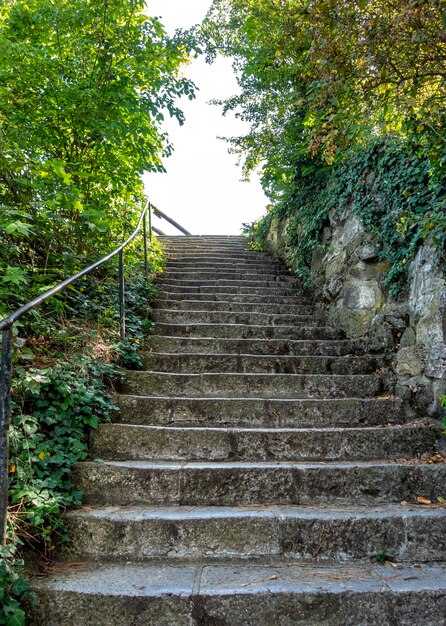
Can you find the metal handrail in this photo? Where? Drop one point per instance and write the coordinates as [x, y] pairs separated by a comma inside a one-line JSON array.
[[6, 327], [163, 216]]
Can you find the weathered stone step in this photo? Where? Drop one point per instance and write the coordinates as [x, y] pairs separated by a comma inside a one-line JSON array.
[[213, 270], [248, 331], [181, 238], [202, 239], [298, 533], [235, 317], [286, 283], [246, 289], [194, 240], [173, 443], [214, 262], [245, 307], [252, 385], [247, 363], [237, 251], [202, 275], [251, 298], [242, 593], [256, 483], [189, 240], [255, 412], [298, 347], [231, 250], [218, 256]]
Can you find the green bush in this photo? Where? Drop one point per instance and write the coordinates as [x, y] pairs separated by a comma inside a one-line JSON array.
[[52, 412], [67, 357], [13, 589]]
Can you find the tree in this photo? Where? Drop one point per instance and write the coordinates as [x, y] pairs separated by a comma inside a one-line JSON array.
[[84, 87], [319, 77]]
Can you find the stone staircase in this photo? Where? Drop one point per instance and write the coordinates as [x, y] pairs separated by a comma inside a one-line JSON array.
[[258, 474]]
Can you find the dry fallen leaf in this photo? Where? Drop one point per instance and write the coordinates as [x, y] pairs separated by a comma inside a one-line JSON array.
[[441, 500], [437, 458], [422, 500]]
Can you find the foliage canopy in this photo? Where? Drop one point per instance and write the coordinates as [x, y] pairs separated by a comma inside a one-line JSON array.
[[84, 87], [320, 76], [331, 89]]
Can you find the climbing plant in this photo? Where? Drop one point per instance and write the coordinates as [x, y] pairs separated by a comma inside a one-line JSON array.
[[388, 185]]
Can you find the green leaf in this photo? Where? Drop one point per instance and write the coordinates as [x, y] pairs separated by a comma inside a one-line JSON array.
[[18, 228], [14, 276], [16, 619], [20, 587]]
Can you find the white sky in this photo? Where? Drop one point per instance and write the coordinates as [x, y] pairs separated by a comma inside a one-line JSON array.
[[202, 188]]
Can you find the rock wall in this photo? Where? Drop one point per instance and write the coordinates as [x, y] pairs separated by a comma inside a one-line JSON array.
[[349, 277]]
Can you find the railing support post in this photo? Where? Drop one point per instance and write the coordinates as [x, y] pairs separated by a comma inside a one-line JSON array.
[[150, 222], [121, 295], [5, 385], [146, 266]]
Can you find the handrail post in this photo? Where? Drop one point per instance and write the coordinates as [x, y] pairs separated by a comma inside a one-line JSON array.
[[146, 267], [150, 222], [121, 295], [5, 386]]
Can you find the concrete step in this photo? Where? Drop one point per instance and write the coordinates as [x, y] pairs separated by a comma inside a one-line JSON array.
[[250, 298], [141, 533], [294, 347], [235, 317], [257, 413], [173, 443], [242, 593], [245, 307], [247, 331], [246, 363], [252, 385], [172, 483]]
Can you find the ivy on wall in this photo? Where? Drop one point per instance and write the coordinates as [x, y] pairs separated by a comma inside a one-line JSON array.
[[388, 184]]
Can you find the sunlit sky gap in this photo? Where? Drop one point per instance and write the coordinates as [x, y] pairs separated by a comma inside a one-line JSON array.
[[202, 189]]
